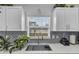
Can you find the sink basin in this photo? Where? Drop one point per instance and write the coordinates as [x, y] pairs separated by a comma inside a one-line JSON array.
[[38, 48]]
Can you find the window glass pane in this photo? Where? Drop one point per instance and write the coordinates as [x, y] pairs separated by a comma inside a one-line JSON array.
[[39, 21], [40, 26]]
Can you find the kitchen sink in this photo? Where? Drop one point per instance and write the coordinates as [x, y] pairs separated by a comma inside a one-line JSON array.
[[38, 48]]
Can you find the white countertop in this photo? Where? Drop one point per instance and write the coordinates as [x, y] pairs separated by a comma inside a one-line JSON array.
[[56, 48]]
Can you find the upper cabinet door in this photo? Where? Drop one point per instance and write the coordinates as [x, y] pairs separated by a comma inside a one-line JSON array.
[[71, 19], [60, 20], [13, 17], [67, 19], [2, 19]]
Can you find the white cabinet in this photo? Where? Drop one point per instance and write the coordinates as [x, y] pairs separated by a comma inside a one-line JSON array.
[[10, 18], [71, 19], [13, 17], [67, 19], [60, 20], [2, 19]]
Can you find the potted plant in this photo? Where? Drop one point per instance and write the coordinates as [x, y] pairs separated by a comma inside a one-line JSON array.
[[63, 5], [4, 43], [60, 5], [19, 43]]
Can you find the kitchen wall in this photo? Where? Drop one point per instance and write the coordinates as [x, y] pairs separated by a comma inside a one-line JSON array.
[[34, 10], [41, 10], [12, 34]]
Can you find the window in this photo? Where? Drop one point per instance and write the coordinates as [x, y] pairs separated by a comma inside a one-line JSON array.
[[39, 26]]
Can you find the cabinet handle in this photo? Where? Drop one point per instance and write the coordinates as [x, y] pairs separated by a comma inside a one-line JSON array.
[[0, 11]]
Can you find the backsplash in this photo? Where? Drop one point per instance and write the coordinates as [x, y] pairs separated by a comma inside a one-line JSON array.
[[12, 34], [59, 34]]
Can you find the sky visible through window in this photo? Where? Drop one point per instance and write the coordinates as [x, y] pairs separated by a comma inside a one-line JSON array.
[[40, 21]]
